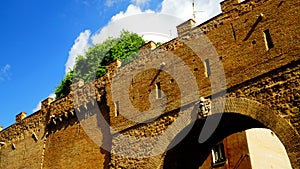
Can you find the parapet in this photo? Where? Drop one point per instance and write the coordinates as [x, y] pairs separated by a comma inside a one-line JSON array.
[[66, 105], [20, 117], [185, 27], [114, 65], [150, 45], [46, 103], [228, 5], [77, 85]]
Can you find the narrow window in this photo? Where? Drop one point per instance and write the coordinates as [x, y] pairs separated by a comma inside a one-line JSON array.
[[13, 146], [218, 155], [207, 68], [34, 137], [233, 31], [117, 108], [158, 90], [268, 39]]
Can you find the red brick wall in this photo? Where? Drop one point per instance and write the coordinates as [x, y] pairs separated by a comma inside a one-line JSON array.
[[21, 149], [237, 36], [70, 147]]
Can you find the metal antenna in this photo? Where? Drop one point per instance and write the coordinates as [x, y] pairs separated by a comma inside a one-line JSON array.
[[194, 11], [170, 32], [194, 15]]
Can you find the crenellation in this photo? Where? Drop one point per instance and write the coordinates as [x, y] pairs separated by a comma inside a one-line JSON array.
[[61, 106], [45, 103], [227, 16], [229, 5], [18, 130], [185, 27], [262, 84], [149, 45], [20, 117]]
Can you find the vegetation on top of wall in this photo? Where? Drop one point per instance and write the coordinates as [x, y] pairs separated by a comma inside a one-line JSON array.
[[93, 64]]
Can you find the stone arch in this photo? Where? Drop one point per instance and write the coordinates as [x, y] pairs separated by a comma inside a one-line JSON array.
[[281, 127], [260, 116]]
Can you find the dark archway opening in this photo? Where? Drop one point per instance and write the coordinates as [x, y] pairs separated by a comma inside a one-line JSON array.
[[190, 154]]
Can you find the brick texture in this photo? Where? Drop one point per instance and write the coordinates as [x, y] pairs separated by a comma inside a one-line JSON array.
[[252, 46]]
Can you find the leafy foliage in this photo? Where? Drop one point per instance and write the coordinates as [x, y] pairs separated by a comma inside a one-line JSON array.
[[126, 48], [92, 64], [63, 89]]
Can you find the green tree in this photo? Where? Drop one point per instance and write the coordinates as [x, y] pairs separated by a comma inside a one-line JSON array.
[[92, 64], [126, 48], [63, 88]]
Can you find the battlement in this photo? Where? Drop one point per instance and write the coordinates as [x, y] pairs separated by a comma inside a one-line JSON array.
[[228, 5], [20, 117], [250, 38], [185, 27], [231, 10]]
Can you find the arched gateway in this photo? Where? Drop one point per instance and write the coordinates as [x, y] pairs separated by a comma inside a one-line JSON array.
[[239, 114]]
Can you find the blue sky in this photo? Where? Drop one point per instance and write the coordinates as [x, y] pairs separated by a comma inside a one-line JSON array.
[[40, 38]]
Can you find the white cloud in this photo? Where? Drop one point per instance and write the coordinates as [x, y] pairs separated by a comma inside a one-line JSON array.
[[154, 26], [4, 72], [110, 3], [81, 44], [38, 106], [5, 68], [136, 23], [204, 10], [183, 8], [180, 9], [52, 95], [157, 26], [140, 3], [131, 10]]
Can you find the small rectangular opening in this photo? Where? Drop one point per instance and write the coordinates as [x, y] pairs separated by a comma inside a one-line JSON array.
[[13, 146], [207, 68], [268, 39], [117, 108], [158, 90], [233, 31], [34, 136], [218, 155]]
